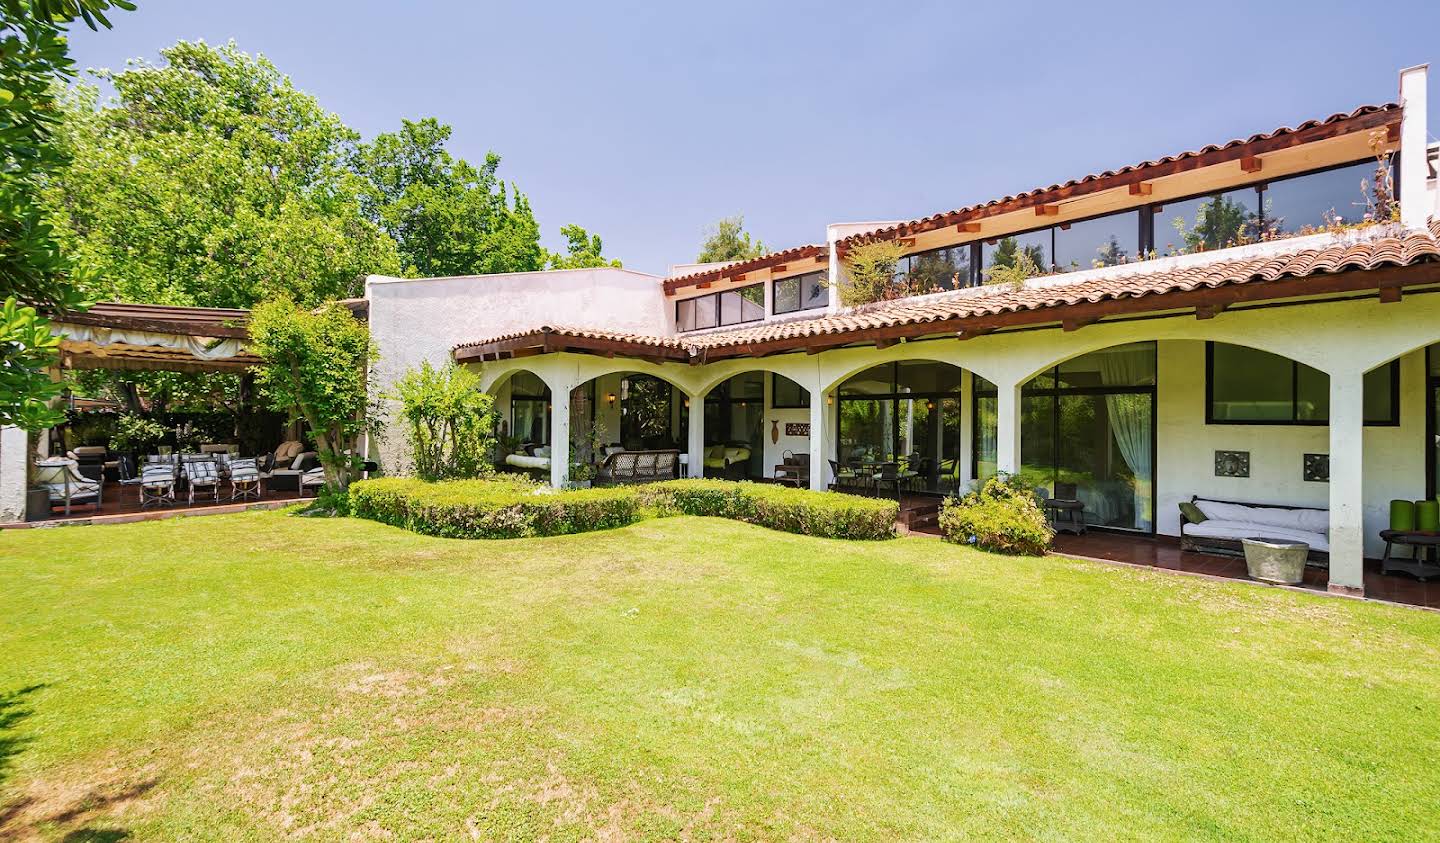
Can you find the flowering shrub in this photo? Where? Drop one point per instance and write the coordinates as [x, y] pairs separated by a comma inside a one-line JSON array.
[[501, 508], [1004, 517], [824, 514]]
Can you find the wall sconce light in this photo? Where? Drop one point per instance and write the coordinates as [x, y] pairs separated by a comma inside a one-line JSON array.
[[829, 399], [929, 405], [686, 402], [610, 397]]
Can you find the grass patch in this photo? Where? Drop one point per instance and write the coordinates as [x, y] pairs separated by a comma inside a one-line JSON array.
[[253, 676]]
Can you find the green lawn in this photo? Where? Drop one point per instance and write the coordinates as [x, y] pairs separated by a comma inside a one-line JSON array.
[[259, 675]]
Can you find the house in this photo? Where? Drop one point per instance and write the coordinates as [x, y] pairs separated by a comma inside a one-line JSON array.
[[1247, 321], [1222, 322]]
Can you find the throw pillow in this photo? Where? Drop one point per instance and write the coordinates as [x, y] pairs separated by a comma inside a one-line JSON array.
[[1192, 513]]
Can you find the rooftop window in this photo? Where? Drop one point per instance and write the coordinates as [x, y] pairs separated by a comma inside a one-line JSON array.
[[727, 307]]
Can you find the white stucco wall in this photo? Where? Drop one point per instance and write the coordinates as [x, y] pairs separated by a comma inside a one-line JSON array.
[[418, 320], [14, 468], [1186, 446]]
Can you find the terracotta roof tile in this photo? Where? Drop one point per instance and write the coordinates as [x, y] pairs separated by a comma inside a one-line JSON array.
[[741, 267], [950, 217], [1355, 251]]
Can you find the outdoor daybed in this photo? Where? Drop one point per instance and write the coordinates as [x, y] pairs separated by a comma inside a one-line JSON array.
[[1213, 526], [538, 459]]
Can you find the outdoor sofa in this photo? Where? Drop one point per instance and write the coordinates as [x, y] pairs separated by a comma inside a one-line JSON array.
[[1214, 526], [638, 467]]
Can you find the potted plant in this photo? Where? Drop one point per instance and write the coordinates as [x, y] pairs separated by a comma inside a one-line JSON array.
[[582, 475]]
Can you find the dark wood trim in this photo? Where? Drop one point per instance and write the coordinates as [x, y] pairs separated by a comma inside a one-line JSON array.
[[1286, 140], [771, 261], [153, 325]]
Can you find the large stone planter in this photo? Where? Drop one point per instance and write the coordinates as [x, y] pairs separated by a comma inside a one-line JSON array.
[[1280, 561]]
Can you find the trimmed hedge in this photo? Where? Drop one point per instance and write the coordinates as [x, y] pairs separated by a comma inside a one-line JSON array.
[[490, 509], [825, 514], [508, 508]]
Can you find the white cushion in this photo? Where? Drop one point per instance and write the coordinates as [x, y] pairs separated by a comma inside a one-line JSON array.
[[1309, 520], [298, 463], [527, 461], [1217, 529], [542, 451]]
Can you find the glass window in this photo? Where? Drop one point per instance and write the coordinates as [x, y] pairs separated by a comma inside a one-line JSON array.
[[694, 314], [926, 376], [1004, 252], [1123, 365], [1103, 241], [787, 394], [1308, 203], [529, 385], [879, 380], [803, 292], [746, 304], [1248, 386], [937, 269], [1208, 222], [530, 420]]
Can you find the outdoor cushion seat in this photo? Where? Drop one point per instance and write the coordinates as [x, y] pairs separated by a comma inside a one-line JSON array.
[[527, 462], [65, 484], [1227, 523]]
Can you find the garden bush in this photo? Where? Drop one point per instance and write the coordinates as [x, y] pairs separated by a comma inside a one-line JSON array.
[[500, 508], [825, 514], [1003, 516]]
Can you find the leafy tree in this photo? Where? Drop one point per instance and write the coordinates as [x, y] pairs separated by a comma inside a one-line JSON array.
[[728, 240], [316, 364], [34, 57], [1219, 223], [447, 216], [27, 349], [1008, 253], [1019, 266], [871, 268], [210, 180], [1111, 254], [583, 251], [450, 421]]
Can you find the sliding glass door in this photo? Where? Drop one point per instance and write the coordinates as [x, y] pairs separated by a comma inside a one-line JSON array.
[[906, 414], [1087, 429]]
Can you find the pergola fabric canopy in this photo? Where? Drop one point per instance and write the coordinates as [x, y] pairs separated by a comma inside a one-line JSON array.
[[114, 335]]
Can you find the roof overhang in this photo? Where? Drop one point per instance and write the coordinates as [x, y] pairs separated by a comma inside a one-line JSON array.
[[791, 261], [113, 335], [1363, 119], [1388, 283]]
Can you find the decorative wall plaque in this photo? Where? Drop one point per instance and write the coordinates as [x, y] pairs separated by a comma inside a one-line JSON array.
[[1232, 463], [1317, 468], [797, 428]]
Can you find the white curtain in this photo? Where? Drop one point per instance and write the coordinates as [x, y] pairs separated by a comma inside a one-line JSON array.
[[1130, 420]]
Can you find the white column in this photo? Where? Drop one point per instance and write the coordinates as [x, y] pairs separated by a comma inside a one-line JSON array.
[[820, 412], [695, 459], [14, 473], [967, 427], [1007, 434], [559, 435], [1347, 499]]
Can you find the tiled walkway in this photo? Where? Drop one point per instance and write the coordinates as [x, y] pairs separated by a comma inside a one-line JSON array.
[[1165, 552]]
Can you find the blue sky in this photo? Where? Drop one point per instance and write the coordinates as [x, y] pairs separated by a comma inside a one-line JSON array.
[[646, 122]]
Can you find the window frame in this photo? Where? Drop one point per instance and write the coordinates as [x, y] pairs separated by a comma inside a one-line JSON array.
[[719, 310], [800, 297], [1392, 421], [774, 391]]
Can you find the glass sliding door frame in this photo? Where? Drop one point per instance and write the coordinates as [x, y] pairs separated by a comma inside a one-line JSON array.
[[1056, 393]]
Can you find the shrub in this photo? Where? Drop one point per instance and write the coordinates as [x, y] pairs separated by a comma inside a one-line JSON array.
[[449, 421], [490, 509], [1004, 517], [825, 514]]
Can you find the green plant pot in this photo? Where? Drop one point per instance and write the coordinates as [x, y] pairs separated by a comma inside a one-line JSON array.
[[1427, 515], [1402, 515]]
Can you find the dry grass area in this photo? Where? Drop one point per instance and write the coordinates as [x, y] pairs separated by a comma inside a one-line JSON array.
[[258, 676]]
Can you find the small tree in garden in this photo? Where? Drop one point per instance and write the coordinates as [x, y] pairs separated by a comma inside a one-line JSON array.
[[449, 421], [871, 269], [26, 349], [316, 366]]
